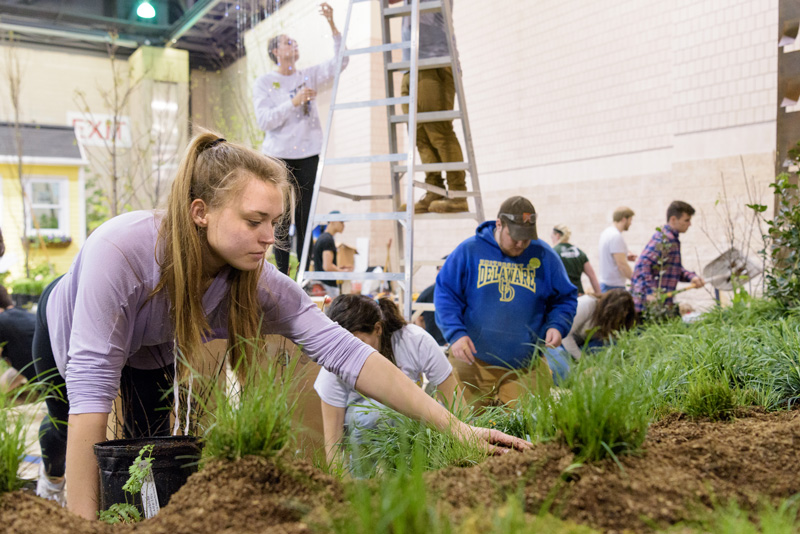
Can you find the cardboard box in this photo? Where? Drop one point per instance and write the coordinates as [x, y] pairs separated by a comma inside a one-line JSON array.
[[345, 256]]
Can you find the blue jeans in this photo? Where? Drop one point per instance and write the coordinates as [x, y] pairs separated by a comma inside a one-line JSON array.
[[558, 360], [606, 288]]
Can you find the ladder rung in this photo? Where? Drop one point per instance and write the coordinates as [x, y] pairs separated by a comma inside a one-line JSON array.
[[425, 263], [351, 196], [406, 10], [379, 158], [459, 215], [380, 216], [427, 63], [429, 116], [325, 275], [378, 48], [434, 167], [423, 306], [373, 103]]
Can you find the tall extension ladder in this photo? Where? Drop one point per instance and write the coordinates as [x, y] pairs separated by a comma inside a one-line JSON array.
[[401, 163]]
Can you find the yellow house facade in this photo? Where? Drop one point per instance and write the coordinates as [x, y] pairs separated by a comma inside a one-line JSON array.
[[53, 189]]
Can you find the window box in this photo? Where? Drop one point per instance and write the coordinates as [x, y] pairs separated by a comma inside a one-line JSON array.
[[50, 241]]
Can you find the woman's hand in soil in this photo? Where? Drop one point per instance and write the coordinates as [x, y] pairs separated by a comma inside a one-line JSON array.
[[495, 441]]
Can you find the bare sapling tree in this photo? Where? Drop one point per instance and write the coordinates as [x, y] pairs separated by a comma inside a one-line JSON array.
[[738, 222], [14, 75], [117, 171]]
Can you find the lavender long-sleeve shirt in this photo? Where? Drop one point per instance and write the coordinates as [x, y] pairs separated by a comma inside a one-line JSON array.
[[100, 316]]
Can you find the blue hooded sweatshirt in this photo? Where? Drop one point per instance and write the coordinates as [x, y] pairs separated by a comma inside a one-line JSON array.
[[504, 304]]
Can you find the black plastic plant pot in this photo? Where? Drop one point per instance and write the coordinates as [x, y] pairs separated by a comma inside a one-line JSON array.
[[174, 459]]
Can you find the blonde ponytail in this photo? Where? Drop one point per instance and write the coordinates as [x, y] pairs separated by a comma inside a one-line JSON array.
[[212, 170]]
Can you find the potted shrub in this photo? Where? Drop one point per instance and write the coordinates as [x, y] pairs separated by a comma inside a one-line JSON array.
[[26, 291]]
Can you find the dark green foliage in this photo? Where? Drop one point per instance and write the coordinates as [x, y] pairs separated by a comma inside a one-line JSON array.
[[782, 239]]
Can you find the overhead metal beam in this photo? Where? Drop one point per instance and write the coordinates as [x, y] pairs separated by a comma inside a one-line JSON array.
[[186, 22], [78, 35]]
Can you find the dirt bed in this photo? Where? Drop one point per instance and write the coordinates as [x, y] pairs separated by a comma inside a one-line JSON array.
[[685, 466]]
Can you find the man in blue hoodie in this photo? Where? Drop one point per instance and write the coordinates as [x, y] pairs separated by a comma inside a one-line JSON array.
[[498, 296]]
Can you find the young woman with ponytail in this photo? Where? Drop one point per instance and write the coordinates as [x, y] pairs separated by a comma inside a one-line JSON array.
[[410, 348], [149, 287]]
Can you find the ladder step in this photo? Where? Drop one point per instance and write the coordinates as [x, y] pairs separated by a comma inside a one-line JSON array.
[[324, 275], [379, 216], [351, 196], [406, 10], [379, 48], [428, 116], [434, 167], [439, 216], [427, 63], [423, 306], [378, 158], [373, 103]]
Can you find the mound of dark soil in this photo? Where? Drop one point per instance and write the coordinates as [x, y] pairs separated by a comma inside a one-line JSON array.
[[252, 495], [685, 466]]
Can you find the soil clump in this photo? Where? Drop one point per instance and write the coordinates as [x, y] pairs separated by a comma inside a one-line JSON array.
[[685, 467]]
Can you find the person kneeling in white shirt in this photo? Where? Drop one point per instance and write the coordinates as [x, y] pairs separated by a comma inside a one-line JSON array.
[[409, 347]]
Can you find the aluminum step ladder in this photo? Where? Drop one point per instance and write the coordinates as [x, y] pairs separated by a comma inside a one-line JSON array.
[[402, 164]]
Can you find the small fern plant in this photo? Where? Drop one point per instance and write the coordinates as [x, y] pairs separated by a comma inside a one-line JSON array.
[[127, 512]]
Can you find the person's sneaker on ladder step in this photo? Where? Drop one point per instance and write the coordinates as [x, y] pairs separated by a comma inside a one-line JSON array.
[[52, 491], [421, 206]]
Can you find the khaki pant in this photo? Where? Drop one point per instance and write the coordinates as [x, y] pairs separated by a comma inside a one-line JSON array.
[[484, 384], [436, 141]]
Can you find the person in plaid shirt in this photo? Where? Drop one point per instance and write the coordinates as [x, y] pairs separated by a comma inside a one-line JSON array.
[[659, 265]]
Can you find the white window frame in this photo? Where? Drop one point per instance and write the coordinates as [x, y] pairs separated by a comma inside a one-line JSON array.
[[63, 205]]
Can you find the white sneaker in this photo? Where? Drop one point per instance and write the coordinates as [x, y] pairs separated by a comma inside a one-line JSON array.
[[47, 489]]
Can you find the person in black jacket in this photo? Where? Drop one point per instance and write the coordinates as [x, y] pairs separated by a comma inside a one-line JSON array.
[[16, 337]]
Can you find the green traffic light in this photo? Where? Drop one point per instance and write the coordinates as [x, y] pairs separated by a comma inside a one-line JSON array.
[[145, 10]]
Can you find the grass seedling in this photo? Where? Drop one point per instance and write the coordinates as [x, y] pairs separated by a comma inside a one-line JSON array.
[[127, 512], [255, 418], [14, 428], [386, 446], [730, 518], [710, 397], [397, 503]]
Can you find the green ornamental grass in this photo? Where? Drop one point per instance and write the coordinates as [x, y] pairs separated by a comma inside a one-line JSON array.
[[14, 427], [255, 418]]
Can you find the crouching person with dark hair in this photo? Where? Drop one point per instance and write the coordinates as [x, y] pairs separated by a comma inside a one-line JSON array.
[[598, 320], [380, 325]]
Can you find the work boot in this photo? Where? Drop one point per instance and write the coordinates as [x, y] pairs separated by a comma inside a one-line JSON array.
[[422, 205], [449, 205], [456, 181]]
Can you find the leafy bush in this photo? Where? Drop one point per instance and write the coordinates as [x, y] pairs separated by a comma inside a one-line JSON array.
[[782, 240]]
